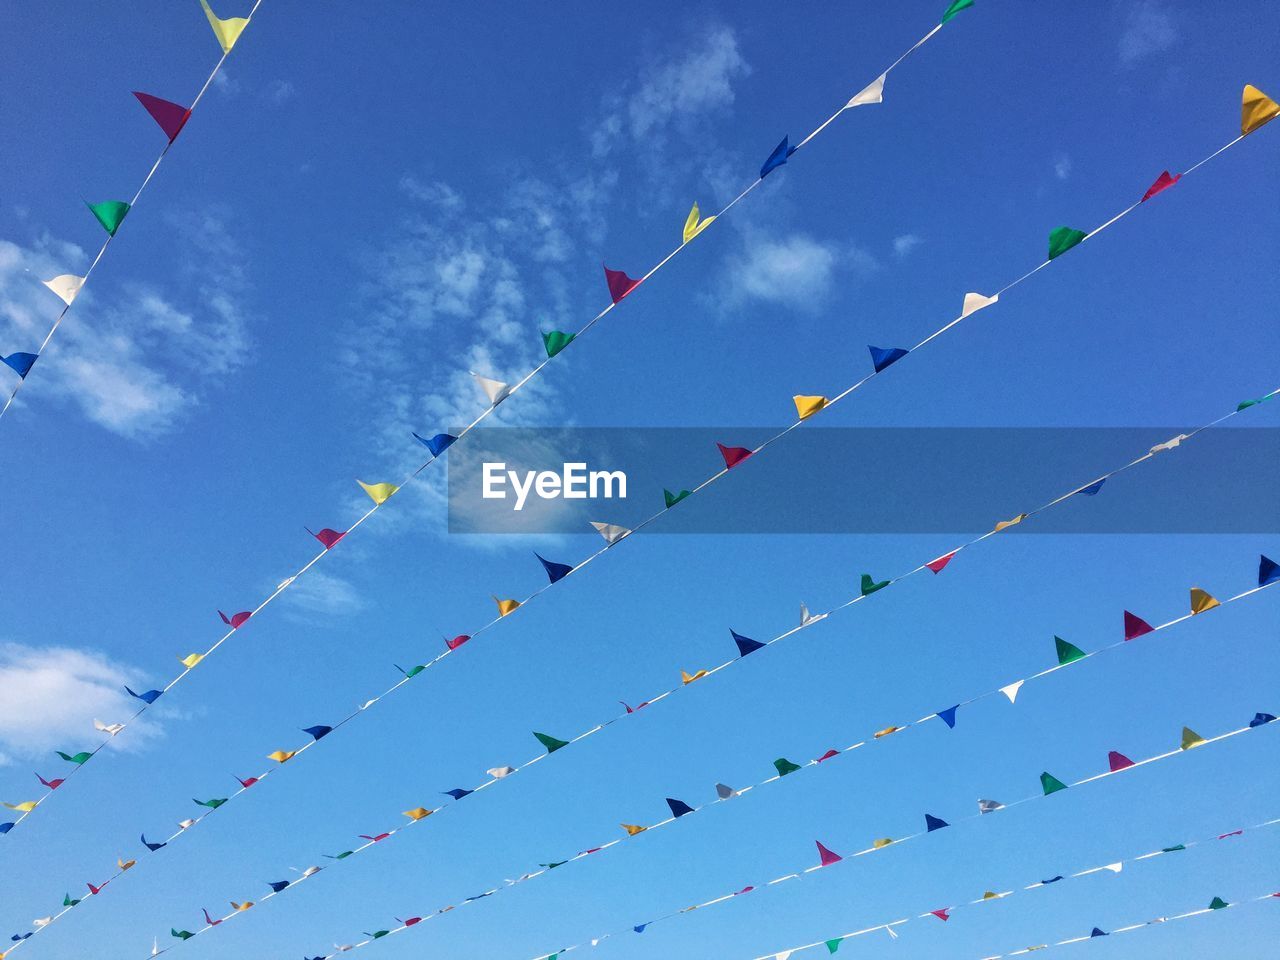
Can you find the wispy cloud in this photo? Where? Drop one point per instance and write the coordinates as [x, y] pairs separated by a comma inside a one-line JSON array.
[[904, 244], [321, 596], [1062, 167], [796, 270], [1148, 29]]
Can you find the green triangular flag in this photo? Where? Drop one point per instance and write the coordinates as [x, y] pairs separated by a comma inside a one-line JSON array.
[[110, 214], [80, 757], [785, 766], [550, 742], [834, 945], [1218, 903], [555, 341], [213, 804], [673, 498], [412, 671], [377, 934], [68, 902], [181, 934], [869, 586], [1063, 239], [952, 10], [552, 866], [341, 856], [1051, 784], [1173, 849], [1067, 652]]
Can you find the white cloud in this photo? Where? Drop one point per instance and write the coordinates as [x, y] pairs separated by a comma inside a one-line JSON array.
[[52, 695], [1062, 167], [1148, 29], [281, 92], [904, 244], [322, 596], [795, 270]]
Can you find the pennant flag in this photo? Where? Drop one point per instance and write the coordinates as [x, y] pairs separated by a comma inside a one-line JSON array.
[[828, 755], [181, 934], [881, 843], [212, 804], [552, 866], [733, 455], [1006, 524], [1169, 444], [686, 678], [227, 31], [885, 732], [956, 7], [619, 283], [26, 806], [68, 900], [1011, 690], [1201, 601], [611, 532], [411, 672], [807, 618], [209, 920], [66, 286], [672, 499], [437, 444], [282, 756], [870, 586], [1268, 571], [277, 885], [555, 341], [20, 363], [941, 914], [1191, 739], [724, 791], [410, 921], [340, 856], [110, 729], [745, 644], [834, 945], [937, 566], [1067, 652], [827, 857], [1063, 239], [694, 226], [989, 806], [153, 847], [639, 929], [1135, 627], [992, 895], [632, 828], [150, 697], [191, 659], [183, 824], [374, 839], [550, 742], [417, 813], [236, 620], [1163, 182], [555, 571], [94, 891], [973, 302], [1256, 109], [1092, 489], [1051, 784], [1098, 932], [1261, 718], [1217, 903], [53, 784], [171, 116], [458, 793], [882, 357], [785, 766], [1246, 404], [1118, 761], [457, 641], [77, 759], [948, 716], [318, 732], [776, 159], [932, 823], [871, 93], [379, 493], [109, 213], [678, 807], [506, 606], [806, 407], [499, 772]]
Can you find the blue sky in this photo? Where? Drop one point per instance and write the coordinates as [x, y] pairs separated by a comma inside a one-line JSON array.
[[351, 222]]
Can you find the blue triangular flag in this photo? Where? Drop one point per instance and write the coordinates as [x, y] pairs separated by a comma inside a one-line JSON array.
[[277, 885], [318, 731], [1092, 489], [457, 794], [777, 158], [640, 928], [6, 827], [746, 644], [1268, 571], [678, 807], [151, 696], [20, 362], [1099, 933], [153, 847], [555, 571], [1051, 880], [948, 716], [882, 357], [933, 823], [19, 937], [437, 444], [1260, 718]]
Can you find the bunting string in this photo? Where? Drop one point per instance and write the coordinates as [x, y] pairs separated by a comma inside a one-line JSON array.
[[172, 118], [620, 286], [1067, 654]]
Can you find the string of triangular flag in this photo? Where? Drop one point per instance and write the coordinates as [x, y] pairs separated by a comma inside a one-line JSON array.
[[1049, 785], [1067, 654], [1111, 868], [619, 284], [110, 214]]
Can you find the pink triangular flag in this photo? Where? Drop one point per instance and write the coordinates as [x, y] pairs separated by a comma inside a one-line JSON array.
[[733, 455], [619, 283], [457, 641], [1118, 761], [327, 536], [828, 755], [236, 620], [941, 914], [827, 856], [1135, 626], [938, 565], [1163, 182], [171, 116]]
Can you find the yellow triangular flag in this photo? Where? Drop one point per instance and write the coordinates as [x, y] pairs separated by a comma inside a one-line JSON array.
[[1190, 738], [418, 813], [1005, 524], [881, 843], [124, 864], [632, 829], [505, 606], [1201, 601], [886, 731], [227, 31], [241, 907], [693, 226], [807, 406], [687, 679], [191, 659], [26, 806], [280, 756], [992, 895], [379, 493], [1256, 109]]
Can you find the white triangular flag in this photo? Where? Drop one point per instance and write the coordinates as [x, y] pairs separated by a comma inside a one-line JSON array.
[[973, 302], [495, 390], [1011, 691], [893, 934], [369, 703], [111, 729], [499, 772], [285, 583], [309, 871], [989, 806], [1169, 444], [66, 286], [807, 618], [155, 946], [872, 93], [610, 531], [42, 922], [783, 955], [183, 824], [1114, 867]]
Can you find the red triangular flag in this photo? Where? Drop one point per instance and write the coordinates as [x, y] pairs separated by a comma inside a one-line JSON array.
[[619, 283], [327, 536], [236, 620], [381, 836], [937, 565], [248, 783], [828, 755], [941, 914], [827, 856], [1135, 626], [1163, 182], [457, 641], [1118, 761], [733, 455], [171, 116], [749, 889], [207, 919], [53, 784], [94, 891]]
